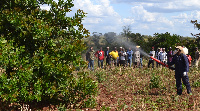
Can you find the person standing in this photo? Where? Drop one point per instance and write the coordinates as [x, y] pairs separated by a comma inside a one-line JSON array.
[[123, 57], [120, 54], [90, 58], [136, 57], [158, 53], [197, 53], [108, 57], [163, 56], [115, 56], [130, 56], [169, 55], [181, 70], [141, 56], [100, 55], [151, 61]]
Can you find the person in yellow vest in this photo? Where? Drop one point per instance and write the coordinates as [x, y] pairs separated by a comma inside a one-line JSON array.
[[115, 56]]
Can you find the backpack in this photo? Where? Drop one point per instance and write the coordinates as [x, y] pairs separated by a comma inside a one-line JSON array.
[[189, 59]]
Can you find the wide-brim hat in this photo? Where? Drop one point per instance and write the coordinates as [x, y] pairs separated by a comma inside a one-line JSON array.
[[137, 46], [183, 50]]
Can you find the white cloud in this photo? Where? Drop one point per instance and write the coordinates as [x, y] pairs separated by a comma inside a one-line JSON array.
[[144, 16], [101, 16], [128, 21], [141, 14]]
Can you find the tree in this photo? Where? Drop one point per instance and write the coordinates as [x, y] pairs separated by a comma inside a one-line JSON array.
[[164, 40], [126, 31], [197, 36], [39, 52]]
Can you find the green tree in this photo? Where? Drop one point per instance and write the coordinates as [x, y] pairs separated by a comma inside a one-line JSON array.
[[197, 36], [126, 31], [39, 52], [164, 40]]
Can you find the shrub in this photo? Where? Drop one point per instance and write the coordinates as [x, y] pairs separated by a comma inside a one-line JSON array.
[[155, 81], [39, 51]]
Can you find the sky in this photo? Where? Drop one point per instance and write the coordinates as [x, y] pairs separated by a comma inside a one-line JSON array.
[[146, 17]]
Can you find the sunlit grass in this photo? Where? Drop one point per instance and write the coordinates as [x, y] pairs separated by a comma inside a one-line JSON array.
[[130, 89]]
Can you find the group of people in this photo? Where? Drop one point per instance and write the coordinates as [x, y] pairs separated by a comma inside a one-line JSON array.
[[161, 55], [179, 58], [115, 58]]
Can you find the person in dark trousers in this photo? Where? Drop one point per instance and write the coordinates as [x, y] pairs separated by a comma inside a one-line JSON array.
[[169, 55], [100, 55], [181, 70], [108, 57], [158, 53], [151, 61], [90, 58]]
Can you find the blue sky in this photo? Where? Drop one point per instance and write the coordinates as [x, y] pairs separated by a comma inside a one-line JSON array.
[[144, 16]]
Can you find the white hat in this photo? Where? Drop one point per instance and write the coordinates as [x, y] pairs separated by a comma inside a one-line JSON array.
[[180, 48], [137, 46]]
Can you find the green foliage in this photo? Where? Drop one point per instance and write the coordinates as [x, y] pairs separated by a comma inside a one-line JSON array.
[[39, 51], [155, 81], [196, 83], [164, 40]]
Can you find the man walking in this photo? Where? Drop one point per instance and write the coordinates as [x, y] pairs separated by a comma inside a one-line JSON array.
[[181, 70]]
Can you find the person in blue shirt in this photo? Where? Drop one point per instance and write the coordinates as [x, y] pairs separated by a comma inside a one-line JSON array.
[[181, 70], [130, 56]]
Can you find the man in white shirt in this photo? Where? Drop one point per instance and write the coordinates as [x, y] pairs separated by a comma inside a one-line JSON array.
[[163, 56]]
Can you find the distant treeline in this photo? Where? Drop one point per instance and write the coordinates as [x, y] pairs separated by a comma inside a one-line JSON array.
[[162, 40]]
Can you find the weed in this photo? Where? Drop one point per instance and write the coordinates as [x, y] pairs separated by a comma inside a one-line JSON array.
[[154, 82]]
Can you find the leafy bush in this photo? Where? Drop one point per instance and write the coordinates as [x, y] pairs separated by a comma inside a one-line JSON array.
[[196, 83], [39, 51], [155, 81]]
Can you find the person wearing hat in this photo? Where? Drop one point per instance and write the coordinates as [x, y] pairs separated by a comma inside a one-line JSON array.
[[197, 57], [181, 70], [151, 61]]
